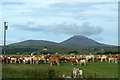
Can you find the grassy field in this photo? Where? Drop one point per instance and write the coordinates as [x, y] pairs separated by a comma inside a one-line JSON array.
[[92, 70]]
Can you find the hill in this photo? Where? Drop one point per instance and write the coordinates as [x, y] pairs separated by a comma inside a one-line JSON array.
[[81, 41], [76, 41], [35, 43]]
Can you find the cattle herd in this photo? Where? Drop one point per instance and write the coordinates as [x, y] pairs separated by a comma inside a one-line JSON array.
[[56, 59]]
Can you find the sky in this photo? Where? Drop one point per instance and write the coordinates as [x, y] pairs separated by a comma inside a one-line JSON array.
[[58, 20]]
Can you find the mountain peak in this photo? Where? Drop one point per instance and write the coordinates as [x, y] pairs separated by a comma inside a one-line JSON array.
[[77, 36], [80, 41]]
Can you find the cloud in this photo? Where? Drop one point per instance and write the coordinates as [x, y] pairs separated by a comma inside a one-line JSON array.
[[30, 26], [48, 1], [62, 28], [59, 9], [12, 3], [73, 10], [74, 29]]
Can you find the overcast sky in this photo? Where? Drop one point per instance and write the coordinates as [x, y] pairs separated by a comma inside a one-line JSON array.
[[57, 20]]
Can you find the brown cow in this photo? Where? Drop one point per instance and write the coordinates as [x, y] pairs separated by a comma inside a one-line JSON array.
[[42, 59], [53, 59], [113, 59], [73, 60], [64, 59], [5, 59], [35, 59]]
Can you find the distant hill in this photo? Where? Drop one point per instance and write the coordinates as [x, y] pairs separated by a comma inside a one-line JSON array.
[[81, 41], [76, 41], [35, 43]]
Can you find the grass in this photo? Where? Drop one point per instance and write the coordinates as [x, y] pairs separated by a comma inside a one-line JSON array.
[[92, 70]]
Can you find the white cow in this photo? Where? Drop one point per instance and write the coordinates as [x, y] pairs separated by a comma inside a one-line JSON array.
[[89, 57], [13, 60], [104, 57], [83, 61], [112, 60], [27, 59], [77, 73]]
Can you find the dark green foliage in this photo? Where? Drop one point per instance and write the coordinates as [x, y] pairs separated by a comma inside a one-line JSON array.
[[45, 53], [111, 52], [19, 50], [73, 52], [60, 49]]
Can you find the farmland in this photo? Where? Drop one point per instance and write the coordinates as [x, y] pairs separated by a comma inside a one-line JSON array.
[[92, 70]]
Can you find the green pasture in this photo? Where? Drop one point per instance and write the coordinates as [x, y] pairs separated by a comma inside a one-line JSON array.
[[92, 70]]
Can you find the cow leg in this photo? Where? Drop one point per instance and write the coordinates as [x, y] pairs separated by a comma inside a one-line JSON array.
[[112, 60], [37, 62], [58, 63], [93, 60], [102, 59], [30, 61], [15, 61], [80, 76], [87, 60], [75, 75], [105, 59], [33, 62], [24, 61], [108, 60], [77, 62], [11, 61], [116, 61], [44, 61], [50, 63]]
